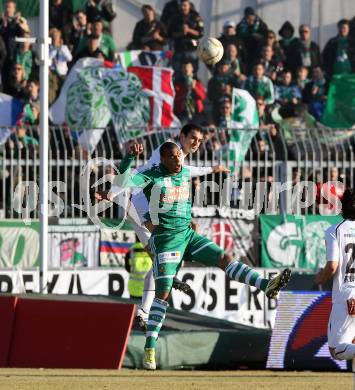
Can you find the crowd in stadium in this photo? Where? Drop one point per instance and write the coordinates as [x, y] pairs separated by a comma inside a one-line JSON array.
[[283, 70], [286, 68]]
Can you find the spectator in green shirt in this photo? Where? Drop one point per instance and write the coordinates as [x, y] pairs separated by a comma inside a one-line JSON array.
[[260, 85], [106, 44], [25, 56]]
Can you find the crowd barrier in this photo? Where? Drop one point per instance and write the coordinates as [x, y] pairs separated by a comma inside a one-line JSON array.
[[285, 156]]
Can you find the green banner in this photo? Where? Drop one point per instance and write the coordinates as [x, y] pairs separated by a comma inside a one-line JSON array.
[[340, 108], [294, 241], [30, 8], [19, 244], [75, 5], [244, 117]]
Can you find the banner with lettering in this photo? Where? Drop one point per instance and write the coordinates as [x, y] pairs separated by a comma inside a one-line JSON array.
[[239, 237], [212, 293], [294, 241]]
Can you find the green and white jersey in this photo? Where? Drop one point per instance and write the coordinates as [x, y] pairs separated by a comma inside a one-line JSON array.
[[168, 195]]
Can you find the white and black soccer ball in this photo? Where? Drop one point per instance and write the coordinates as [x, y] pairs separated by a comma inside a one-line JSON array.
[[210, 50]]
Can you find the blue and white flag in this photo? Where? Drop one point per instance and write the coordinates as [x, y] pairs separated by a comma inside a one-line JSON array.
[[10, 110]]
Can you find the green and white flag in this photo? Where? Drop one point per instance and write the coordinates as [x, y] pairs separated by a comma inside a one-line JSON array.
[[94, 94], [245, 117], [340, 109], [135, 100]]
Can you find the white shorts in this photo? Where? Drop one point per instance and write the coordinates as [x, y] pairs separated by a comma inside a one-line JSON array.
[[140, 204], [135, 217], [341, 326]]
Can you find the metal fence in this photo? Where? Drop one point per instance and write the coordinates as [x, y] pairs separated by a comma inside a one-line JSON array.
[[283, 156]]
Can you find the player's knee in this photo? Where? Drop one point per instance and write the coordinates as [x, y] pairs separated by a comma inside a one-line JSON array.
[[163, 295], [225, 260]]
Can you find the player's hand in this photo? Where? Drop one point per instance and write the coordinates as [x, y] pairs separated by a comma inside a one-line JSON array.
[[103, 195], [136, 149], [185, 29], [220, 169], [315, 90], [156, 35], [194, 225], [319, 277]]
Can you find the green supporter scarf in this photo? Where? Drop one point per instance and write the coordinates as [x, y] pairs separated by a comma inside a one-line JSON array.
[[26, 60], [342, 63], [260, 88], [306, 53]]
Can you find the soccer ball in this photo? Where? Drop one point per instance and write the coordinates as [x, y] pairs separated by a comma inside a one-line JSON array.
[[210, 51]]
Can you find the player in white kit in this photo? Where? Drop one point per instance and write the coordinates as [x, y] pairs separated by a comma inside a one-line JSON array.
[[340, 249], [190, 140]]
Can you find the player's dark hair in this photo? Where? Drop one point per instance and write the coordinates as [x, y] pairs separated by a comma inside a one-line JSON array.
[[257, 63], [186, 130], [343, 21], [348, 204], [167, 147], [147, 7]]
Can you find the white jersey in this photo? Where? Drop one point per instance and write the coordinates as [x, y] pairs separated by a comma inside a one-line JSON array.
[[340, 245], [155, 160]]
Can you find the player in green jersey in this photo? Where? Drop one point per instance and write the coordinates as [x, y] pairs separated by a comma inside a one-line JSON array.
[[167, 188]]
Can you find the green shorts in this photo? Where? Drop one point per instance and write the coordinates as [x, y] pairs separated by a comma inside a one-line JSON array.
[[169, 248]]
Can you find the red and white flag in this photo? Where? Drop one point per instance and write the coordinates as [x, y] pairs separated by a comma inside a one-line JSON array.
[[157, 83]]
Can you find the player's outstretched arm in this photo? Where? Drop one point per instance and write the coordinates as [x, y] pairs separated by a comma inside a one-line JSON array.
[[128, 177], [220, 169], [201, 171], [134, 151]]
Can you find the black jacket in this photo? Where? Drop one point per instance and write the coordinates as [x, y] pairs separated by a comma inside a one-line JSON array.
[[330, 51], [227, 40], [253, 37], [142, 32], [186, 42], [102, 10], [307, 95], [8, 33], [59, 16], [170, 10], [295, 59]]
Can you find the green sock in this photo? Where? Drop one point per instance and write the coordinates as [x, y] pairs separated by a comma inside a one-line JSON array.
[[244, 274], [155, 322]]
